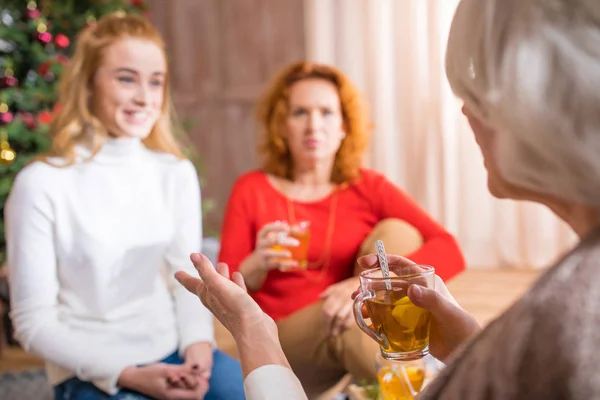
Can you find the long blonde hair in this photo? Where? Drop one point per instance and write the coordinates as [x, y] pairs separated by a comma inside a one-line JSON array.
[[74, 119]]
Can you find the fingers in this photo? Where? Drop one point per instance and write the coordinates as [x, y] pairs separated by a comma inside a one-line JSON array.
[[327, 292], [223, 269], [276, 254], [440, 307], [288, 241], [174, 379], [238, 279], [371, 261], [343, 319], [334, 309], [182, 378], [356, 292], [274, 227], [205, 268], [285, 265], [189, 381], [441, 287], [193, 285]]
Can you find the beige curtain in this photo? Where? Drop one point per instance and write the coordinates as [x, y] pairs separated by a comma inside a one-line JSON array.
[[394, 51]]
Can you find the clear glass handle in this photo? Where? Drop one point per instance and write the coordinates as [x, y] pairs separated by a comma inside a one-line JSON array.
[[359, 300]]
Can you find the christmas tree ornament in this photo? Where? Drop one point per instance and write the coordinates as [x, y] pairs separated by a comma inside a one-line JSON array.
[[32, 14], [41, 27], [6, 47], [44, 37], [3, 107], [9, 81], [32, 5], [7, 154], [61, 41], [44, 68], [29, 120], [6, 18], [45, 117], [5, 117], [31, 77]]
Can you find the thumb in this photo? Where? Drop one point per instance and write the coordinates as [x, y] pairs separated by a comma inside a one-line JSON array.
[[430, 300], [189, 282]]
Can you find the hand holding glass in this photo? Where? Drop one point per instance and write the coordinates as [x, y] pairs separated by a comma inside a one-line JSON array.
[[299, 253], [400, 327]]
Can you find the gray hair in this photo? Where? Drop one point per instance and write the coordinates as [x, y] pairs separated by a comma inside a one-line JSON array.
[[530, 69]]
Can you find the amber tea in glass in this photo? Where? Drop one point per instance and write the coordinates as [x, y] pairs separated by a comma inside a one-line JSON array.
[[400, 327], [299, 253], [405, 325], [400, 380]]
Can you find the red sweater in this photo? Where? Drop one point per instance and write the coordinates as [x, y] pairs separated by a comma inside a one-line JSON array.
[[254, 202]]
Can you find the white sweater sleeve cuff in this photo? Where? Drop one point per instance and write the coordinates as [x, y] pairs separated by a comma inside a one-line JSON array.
[[108, 377], [273, 382], [108, 385]]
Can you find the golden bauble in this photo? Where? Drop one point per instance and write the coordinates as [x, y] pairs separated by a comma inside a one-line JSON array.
[[7, 156]]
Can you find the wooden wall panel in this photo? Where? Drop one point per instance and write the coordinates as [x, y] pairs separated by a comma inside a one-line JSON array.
[[222, 54]]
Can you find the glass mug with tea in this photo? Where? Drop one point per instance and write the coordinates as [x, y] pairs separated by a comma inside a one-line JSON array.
[[400, 380], [301, 232], [400, 327]]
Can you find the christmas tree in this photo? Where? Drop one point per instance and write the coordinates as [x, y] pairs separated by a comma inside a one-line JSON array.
[[36, 39]]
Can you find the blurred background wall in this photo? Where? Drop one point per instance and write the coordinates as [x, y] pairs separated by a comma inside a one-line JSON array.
[[223, 53]]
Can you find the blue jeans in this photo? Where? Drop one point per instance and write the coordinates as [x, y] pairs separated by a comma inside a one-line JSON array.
[[226, 383]]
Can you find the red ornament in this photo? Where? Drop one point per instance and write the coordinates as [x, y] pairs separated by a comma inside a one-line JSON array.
[[137, 3], [8, 81], [45, 117], [44, 68], [61, 41], [33, 14], [5, 117], [44, 37], [29, 120]]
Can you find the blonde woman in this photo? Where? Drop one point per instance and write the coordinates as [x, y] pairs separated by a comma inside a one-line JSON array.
[[91, 224], [528, 73]]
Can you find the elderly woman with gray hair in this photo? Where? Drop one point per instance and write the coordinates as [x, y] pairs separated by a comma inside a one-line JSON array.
[[528, 72]]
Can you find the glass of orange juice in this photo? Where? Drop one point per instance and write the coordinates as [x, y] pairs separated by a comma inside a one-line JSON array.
[[301, 232], [400, 380]]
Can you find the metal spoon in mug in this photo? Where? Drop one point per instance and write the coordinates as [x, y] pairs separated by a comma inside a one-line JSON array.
[[383, 264]]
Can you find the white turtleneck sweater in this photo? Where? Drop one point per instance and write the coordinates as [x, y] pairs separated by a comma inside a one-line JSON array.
[[86, 245]]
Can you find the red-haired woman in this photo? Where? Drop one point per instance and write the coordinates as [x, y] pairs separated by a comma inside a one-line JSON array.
[[315, 130]]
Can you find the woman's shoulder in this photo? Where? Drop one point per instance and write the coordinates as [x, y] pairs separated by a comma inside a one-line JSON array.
[[37, 180], [250, 180], [170, 164], [166, 158], [369, 179], [39, 173]]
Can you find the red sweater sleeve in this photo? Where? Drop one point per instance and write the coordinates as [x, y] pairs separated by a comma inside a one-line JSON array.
[[238, 234], [439, 249]]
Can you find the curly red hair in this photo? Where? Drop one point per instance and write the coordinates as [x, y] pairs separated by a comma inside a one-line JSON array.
[[273, 110]]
